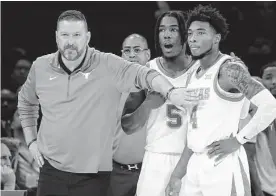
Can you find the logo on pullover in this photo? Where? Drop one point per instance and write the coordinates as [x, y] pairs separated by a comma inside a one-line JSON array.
[[86, 75], [52, 77]]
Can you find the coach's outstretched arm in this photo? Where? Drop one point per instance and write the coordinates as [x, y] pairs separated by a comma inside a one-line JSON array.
[[239, 77], [129, 77]]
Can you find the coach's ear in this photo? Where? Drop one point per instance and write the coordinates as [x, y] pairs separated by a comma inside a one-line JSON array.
[[88, 37], [57, 37]]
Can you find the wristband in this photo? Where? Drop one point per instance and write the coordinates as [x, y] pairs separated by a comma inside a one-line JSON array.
[[169, 92], [31, 142]]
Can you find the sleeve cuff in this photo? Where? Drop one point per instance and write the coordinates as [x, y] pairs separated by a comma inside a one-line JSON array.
[[150, 76]]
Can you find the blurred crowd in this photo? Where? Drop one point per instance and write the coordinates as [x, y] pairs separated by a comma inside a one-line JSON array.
[[19, 171], [253, 41]]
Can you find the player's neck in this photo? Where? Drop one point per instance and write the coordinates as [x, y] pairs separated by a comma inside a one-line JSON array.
[[208, 60], [71, 65], [178, 63]]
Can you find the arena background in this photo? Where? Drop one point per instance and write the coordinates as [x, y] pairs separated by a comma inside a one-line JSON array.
[[31, 26]]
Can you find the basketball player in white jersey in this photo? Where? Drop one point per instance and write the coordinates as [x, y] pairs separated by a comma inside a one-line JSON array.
[[166, 125], [214, 161]]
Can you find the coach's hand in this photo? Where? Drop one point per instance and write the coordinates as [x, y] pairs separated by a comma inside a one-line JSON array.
[[36, 154], [173, 187], [223, 148], [186, 98]]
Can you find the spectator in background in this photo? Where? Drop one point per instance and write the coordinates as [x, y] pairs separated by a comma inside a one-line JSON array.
[[129, 149], [19, 74], [8, 107], [263, 31], [268, 74], [266, 141], [7, 174]]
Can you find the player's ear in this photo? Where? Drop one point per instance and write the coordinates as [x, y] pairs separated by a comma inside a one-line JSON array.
[[217, 38]]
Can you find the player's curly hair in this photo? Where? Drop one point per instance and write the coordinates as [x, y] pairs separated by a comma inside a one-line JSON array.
[[181, 18], [211, 15]]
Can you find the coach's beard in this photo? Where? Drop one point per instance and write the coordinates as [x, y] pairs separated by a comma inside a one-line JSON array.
[[67, 56]]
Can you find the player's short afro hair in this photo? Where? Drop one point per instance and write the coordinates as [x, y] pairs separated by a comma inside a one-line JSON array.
[[211, 15]]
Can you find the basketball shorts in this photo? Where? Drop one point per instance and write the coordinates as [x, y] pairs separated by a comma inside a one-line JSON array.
[[155, 174], [229, 177]]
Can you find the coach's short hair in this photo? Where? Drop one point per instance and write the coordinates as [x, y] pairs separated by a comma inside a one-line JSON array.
[[211, 15], [180, 16], [270, 64], [72, 15]]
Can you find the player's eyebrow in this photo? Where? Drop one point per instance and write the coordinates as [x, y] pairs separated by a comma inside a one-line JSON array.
[[174, 25], [199, 29]]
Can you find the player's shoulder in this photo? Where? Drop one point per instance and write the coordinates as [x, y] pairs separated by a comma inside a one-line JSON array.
[[227, 67], [154, 62], [237, 67]]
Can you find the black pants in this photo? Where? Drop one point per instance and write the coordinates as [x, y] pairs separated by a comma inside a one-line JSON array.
[[123, 182], [53, 182]]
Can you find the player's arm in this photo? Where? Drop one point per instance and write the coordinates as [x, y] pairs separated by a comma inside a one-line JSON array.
[[133, 101], [181, 168], [135, 120], [28, 107], [174, 185], [238, 77]]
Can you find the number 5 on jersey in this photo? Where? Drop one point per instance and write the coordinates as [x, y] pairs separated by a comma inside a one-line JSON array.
[[174, 118]]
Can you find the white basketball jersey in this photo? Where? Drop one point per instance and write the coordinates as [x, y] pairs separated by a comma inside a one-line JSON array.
[[167, 125], [218, 112]]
